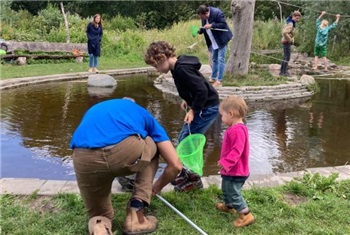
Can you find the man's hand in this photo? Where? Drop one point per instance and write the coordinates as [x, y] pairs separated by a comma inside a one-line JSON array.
[[292, 41], [207, 26]]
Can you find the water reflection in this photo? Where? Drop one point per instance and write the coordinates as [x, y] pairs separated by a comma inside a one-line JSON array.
[[37, 123]]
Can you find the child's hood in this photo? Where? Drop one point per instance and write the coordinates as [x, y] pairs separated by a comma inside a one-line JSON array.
[[187, 60]]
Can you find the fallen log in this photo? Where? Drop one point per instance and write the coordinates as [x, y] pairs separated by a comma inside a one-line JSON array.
[[41, 56]]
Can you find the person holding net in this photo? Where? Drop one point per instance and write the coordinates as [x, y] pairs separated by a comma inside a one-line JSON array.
[[200, 99]]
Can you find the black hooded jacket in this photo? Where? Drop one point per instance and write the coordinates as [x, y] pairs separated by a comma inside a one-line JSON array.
[[191, 84]]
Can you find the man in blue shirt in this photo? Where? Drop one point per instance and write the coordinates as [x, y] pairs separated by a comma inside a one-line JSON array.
[[118, 138]]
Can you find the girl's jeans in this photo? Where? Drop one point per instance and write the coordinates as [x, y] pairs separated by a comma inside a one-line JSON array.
[[201, 122], [218, 60], [93, 61], [232, 190]]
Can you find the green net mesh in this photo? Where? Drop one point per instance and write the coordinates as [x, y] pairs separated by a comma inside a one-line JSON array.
[[194, 30], [190, 152]]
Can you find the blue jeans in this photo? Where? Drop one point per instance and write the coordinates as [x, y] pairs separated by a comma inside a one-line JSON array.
[[218, 59], [93, 61], [201, 122], [232, 190]]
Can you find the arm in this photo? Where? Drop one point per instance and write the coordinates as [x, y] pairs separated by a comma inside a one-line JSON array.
[[335, 23], [219, 21], [286, 30], [88, 29], [172, 169], [235, 138]]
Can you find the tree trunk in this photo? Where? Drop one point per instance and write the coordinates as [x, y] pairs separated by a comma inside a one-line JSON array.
[[66, 23], [243, 19]]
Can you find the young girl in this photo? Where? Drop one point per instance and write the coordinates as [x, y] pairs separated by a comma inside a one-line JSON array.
[[321, 39], [234, 160], [94, 34], [200, 98]]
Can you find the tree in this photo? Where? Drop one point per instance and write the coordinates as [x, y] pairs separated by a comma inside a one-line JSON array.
[[243, 19]]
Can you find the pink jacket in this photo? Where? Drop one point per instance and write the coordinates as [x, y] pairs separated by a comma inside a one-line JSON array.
[[235, 151]]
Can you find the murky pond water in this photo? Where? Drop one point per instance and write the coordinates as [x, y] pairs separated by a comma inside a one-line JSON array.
[[37, 123]]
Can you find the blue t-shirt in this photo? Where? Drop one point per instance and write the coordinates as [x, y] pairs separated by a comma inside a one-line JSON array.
[[112, 121]]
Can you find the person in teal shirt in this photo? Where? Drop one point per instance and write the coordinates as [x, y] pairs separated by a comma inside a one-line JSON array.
[[323, 29]]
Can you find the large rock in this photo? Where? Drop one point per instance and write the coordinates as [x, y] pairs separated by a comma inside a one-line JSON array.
[[307, 79], [274, 69], [101, 80]]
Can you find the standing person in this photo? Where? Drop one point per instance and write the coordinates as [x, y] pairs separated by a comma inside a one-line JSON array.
[[234, 160], [200, 99], [217, 34], [94, 34], [117, 138], [288, 40], [321, 39]]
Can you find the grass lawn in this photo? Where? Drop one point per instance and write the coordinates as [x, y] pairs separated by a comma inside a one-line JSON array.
[[311, 205]]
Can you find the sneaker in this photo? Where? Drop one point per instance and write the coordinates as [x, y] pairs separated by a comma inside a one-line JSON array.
[[126, 183], [188, 186], [222, 207], [211, 80], [244, 220], [217, 84], [181, 177]]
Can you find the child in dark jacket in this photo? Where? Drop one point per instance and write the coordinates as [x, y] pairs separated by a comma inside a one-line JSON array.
[[200, 98]]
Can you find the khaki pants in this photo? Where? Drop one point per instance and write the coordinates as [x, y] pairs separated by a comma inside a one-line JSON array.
[[96, 169]]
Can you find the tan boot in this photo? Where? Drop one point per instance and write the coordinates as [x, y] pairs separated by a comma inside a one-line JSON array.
[[244, 220], [222, 207], [96, 70], [137, 223], [100, 225], [91, 70]]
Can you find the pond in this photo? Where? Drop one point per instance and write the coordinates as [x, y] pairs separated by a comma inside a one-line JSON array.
[[37, 123]]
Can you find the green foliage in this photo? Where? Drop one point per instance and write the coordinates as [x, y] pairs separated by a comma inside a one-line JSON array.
[[119, 23], [314, 185], [48, 19], [267, 35]]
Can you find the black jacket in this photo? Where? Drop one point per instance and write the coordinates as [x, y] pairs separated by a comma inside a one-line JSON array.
[[191, 84]]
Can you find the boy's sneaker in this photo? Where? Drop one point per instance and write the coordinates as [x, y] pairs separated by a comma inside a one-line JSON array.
[[181, 177], [189, 185], [126, 183]]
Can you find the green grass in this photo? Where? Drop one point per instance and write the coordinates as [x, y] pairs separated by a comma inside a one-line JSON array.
[[254, 78], [311, 205]]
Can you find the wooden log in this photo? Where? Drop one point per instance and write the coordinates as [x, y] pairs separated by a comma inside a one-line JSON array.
[[40, 56]]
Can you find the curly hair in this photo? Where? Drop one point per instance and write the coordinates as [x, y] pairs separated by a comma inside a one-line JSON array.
[[158, 52]]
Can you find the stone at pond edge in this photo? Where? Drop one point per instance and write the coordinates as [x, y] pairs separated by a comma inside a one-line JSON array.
[[101, 80], [307, 79]]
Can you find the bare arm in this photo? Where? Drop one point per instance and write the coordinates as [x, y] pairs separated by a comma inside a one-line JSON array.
[[338, 17], [322, 14], [172, 169]]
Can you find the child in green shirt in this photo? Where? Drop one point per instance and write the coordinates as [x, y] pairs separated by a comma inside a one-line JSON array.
[[321, 39]]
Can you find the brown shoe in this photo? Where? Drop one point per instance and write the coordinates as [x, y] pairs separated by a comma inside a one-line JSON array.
[[91, 70], [244, 220], [222, 207], [217, 84], [100, 225], [137, 223]]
